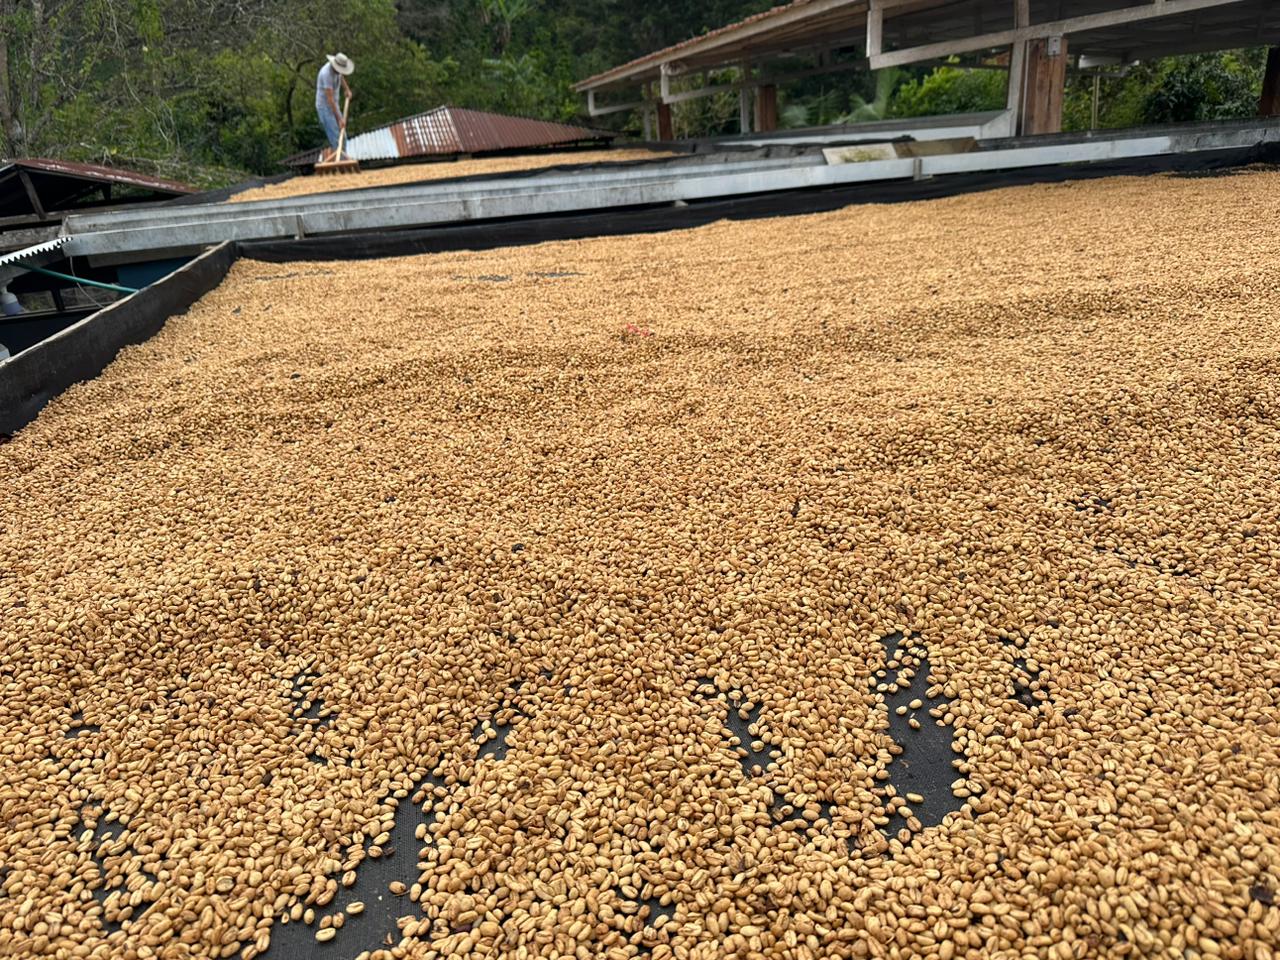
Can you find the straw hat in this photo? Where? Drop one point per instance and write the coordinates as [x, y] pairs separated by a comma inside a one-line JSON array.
[[342, 63]]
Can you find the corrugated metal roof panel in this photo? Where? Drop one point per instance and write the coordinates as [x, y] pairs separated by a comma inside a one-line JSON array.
[[478, 131], [374, 145], [92, 171], [450, 130]]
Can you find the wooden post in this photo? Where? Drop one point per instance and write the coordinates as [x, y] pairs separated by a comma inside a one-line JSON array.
[[1017, 85], [666, 129], [1270, 105], [766, 108], [875, 28], [1046, 80], [646, 119], [1018, 69]]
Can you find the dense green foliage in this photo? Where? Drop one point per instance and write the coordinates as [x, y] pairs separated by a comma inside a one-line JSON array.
[[200, 89], [209, 89], [950, 90], [1175, 90]]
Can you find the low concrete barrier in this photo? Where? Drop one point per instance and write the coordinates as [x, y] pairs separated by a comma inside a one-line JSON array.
[[32, 378]]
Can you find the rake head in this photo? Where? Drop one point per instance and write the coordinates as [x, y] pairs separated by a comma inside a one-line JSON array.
[[338, 166]]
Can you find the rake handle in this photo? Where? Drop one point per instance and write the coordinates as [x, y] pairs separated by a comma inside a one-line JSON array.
[[342, 133]]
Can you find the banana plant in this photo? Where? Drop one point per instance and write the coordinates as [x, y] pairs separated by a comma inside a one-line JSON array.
[[865, 111]]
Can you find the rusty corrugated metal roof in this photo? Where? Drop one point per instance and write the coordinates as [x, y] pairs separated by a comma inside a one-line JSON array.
[[35, 190], [446, 130], [92, 171], [478, 131]]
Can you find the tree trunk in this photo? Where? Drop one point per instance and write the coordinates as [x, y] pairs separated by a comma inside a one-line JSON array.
[[289, 123], [7, 125]]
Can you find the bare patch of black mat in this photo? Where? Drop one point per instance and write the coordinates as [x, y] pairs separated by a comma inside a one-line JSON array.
[[745, 730], [922, 768], [118, 876], [491, 732], [1028, 689], [309, 708], [312, 717], [396, 860], [378, 925], [78, 726], [115, 867]]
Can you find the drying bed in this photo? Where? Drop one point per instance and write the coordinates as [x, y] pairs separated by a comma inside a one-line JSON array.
[[444, 170], [899, 581]]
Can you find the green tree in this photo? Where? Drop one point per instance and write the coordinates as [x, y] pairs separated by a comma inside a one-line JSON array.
[[38, 36], [1205, 87], [169, 85], [207, 89], [502, 16], [1217, 86], [950, 89]]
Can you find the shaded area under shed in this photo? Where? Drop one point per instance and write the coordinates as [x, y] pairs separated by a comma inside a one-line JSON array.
[[36, 191]]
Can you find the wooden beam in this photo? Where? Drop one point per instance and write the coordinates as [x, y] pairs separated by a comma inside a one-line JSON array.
[[1017, 80], [747, 84], [596, 111], [1270, 103], [701, 92], [743, 87], [1054, 28], [875, 28], [32, 195]]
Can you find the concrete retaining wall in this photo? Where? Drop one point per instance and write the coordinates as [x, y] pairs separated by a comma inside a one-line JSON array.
[[32, 378]]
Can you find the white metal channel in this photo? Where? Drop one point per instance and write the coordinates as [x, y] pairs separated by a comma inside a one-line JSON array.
[[553, 179], [397, 209], [981, 126]]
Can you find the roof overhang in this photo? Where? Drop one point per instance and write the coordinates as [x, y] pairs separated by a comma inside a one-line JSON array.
[[806, 24], [1127, 30], [897, 32], [35, 191]]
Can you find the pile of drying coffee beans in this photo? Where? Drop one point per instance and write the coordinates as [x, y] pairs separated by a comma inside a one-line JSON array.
[[302, 186], [896, 582]]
